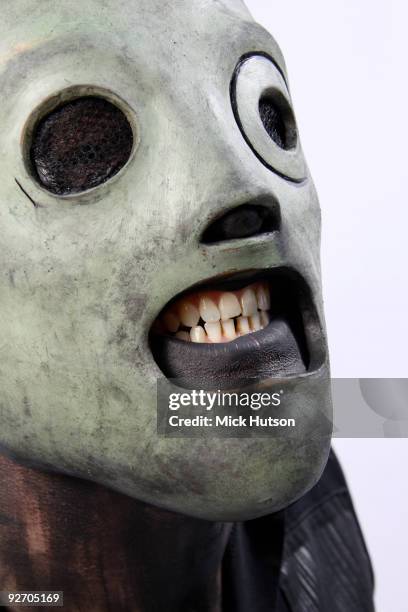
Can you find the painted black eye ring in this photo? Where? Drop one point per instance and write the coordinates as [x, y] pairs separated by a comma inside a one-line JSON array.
[[262, 108]]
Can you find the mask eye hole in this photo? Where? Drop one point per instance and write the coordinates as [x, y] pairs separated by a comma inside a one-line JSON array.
[[80, 145], [278, 121], [262, 108]]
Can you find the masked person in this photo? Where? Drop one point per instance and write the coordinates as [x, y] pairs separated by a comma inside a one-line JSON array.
[[159, 221]]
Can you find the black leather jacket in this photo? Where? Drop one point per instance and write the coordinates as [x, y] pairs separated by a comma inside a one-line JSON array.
[[309, 558]]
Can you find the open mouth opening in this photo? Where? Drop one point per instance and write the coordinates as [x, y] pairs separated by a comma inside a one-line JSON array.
[[238, 330]]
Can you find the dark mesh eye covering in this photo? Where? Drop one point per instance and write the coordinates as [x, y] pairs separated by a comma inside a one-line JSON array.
[[80, 145]]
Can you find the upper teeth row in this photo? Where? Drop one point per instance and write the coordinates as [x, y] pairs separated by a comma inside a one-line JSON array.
[[225, 331], [213, 307]]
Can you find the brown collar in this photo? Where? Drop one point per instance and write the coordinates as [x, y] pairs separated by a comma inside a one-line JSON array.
[[104, 550]]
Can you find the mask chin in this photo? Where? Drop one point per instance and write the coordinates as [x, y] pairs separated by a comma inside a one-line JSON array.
[[255, 491]]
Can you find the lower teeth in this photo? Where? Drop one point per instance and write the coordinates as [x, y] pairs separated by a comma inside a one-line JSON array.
[[215, 316]]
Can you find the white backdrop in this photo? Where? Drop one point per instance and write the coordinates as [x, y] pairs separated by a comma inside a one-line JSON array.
[[347, 71]]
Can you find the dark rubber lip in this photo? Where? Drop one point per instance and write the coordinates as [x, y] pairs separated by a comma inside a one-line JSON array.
[[292, 344], [270, 352]]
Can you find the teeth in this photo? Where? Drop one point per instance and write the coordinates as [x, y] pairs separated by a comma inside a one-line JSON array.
[[263, 297], [188, 314], [213, 331], [171, 322], [226, 315], [228, 329], [229, 306], [243, 325], [255, 322], [183, 335], [197, 334], [208, 310], [248, 303]]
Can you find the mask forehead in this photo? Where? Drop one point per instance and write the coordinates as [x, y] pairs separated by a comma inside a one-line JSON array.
[[151, 30], [85, 276]]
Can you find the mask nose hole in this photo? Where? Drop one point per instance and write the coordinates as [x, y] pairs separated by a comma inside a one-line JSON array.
[[244, 221]]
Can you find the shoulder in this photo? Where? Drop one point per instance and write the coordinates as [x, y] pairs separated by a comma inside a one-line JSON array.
[[325, 563]]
